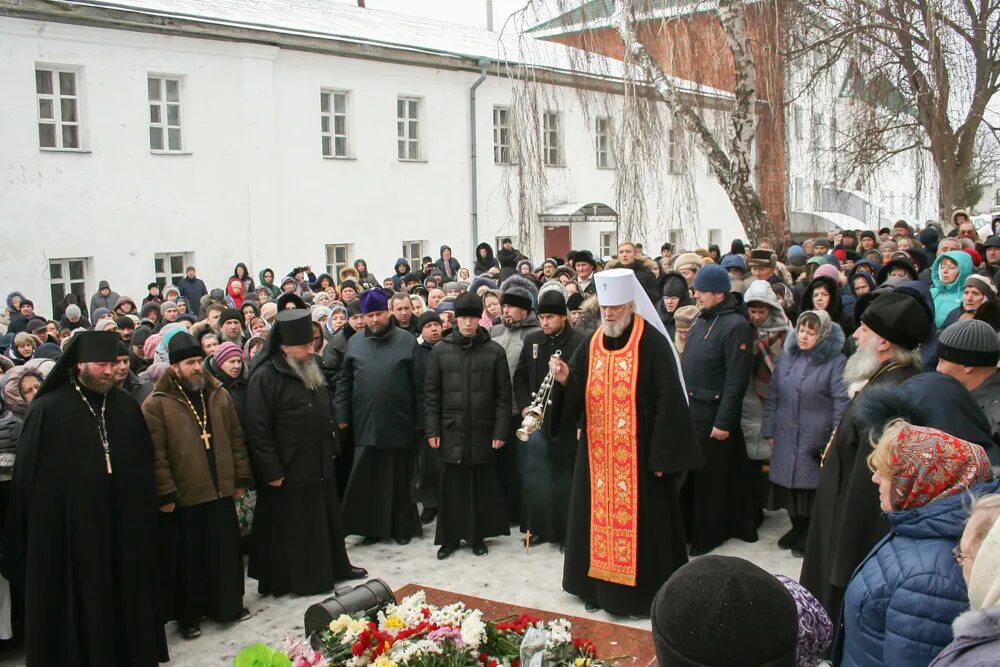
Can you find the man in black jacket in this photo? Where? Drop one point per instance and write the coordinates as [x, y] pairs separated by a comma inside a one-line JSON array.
[[468, 402], [717, 500], [402, 313], [292, 442], [379, 395], [548, 456]]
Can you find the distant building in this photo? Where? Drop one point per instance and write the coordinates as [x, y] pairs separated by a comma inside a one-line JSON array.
[[141, 136]]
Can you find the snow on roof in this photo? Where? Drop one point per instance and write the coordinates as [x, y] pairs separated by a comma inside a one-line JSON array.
[[347, 23]]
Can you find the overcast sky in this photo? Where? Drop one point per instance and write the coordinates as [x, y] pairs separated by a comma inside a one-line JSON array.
[[469, 12]]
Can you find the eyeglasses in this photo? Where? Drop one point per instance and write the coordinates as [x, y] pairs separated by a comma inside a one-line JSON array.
[[959, 557]]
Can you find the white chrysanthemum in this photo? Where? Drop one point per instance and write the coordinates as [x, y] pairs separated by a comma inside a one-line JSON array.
[[409, 610], [473, 629], [403, 652], [560, 632], [451, 615]]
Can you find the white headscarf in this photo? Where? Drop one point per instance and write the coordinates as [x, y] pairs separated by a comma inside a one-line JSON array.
[[984, 584]]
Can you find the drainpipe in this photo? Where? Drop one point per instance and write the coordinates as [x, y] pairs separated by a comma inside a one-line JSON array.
[[483, 64]]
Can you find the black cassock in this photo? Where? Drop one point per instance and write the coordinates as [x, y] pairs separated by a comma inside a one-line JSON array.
[[666, 444], [80, 543]]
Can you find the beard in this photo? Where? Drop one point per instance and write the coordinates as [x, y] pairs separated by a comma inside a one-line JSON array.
[[616, 329], [193, 384], [95, 382], [231, 338], [308, 371], [863, 364]]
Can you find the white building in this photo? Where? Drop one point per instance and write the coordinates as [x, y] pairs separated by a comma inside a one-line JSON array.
[[144, 135]]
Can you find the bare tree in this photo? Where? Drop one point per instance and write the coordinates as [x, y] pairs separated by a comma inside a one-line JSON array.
[[924, 73]]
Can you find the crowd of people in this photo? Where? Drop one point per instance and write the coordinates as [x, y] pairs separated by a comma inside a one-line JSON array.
[[848, 380]]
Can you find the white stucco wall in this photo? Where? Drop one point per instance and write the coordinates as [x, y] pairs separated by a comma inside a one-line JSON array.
[[252, 185]]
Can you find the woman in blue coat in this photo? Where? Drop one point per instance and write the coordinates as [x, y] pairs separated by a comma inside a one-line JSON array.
[[902, 599], [806, 398]]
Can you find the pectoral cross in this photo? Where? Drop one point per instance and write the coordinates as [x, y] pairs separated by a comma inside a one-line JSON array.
[[206, 437], [107, 453]]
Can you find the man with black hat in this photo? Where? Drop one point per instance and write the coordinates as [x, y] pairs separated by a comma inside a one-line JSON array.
[[378, 394], [547, 458], [19, 320], [585, 265], [969, 351], [429, 334], [847, 521], [292, 440], [231, 327], [80, 542], [467, 396], [125, 379], [519, 320], [201, 466]]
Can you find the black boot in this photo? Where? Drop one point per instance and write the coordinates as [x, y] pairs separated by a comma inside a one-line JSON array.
[[786, 540], [802, 527]]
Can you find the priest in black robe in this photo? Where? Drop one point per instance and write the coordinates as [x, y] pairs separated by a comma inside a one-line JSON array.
[[298, 540], [81, 530], [625, 535]]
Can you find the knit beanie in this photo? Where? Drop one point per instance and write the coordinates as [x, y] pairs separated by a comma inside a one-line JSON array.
[[970, 343], [981, 283], [984, 584], [165, 306], [73, 312], [426, 318], [828, 270], [140, 336], [712, 278], [720, 610], [225, 352], [231, 314], [124, 322]]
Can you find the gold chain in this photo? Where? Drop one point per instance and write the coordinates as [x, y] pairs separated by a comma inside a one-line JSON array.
[[201, 419], [102, 429]]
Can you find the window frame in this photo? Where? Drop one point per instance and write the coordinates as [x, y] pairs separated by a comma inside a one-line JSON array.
[[168, 276], [414, 261], [403, 137], [164, 126], [607, 243], [67, 281], [331, 115], [675, 150], [502, 137], [607, 151], [334, 268], [552, 155], [55, 98], [715, 237]]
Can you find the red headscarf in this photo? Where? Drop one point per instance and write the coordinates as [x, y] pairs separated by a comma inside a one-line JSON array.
[[237, 298], [928, 464]]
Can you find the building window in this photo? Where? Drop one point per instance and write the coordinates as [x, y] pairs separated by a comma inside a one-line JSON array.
[[552, 154], [336, 258], [68, 276], [333, 123], [799, 194], [674, 236], [58, 109], [169, 267], [164, 114], [675, 136], [602, 142], [413, 252], [817, 196], [608, 247], [715, 237], [408, 128], [798, 121], [501, 135], [817, 130]]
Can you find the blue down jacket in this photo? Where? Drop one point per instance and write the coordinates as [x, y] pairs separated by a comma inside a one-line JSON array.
[[902, 599], [806, 398]]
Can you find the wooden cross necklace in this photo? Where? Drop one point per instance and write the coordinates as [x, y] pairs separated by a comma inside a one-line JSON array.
[[102, 428], [202, 420]]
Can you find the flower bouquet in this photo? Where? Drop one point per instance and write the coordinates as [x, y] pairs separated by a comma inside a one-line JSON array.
[[415, 634]]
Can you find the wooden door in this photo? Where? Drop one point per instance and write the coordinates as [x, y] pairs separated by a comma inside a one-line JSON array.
[[557, 241]]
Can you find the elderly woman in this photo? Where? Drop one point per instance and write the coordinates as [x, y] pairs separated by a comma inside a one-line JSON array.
[[977, 631], [17, 388], [900, 604], [806, 397]]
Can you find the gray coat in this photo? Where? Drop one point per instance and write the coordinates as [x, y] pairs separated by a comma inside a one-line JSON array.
[[806, 399], [976, 643], [379, 389], [511, 339]]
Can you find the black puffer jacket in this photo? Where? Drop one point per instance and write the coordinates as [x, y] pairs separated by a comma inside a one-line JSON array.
[[290, 430], [468, 397], [378, 390], [333, 353], [717, 362], [484, 264]]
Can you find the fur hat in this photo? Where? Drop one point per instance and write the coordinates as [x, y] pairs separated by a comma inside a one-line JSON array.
[[687, 260], [684, 317], [552, 302], [898, 318], [764, 258], [348, 272], [183, 346], [468, 304]]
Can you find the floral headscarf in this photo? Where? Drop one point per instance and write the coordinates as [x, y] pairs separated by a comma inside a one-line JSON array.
[[928, 464]]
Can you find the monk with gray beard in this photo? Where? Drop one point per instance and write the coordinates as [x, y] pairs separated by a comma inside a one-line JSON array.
[[292, 440], [847, 521]]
